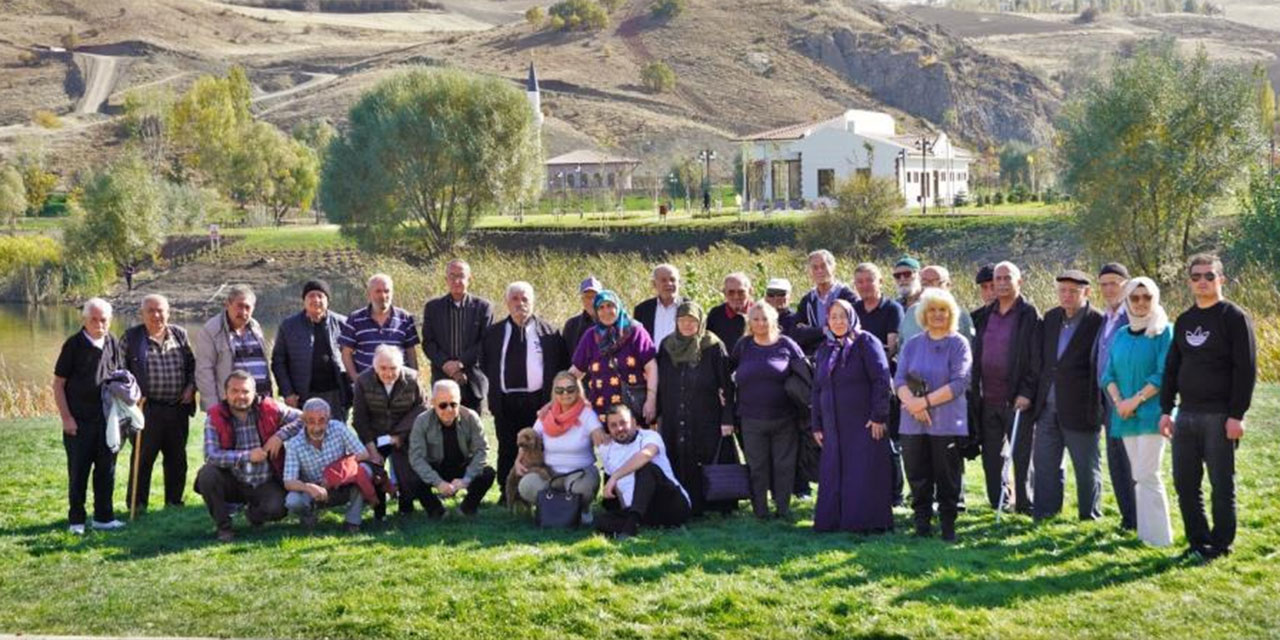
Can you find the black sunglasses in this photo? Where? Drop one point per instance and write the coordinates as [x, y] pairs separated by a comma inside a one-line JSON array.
[[447, 405], [560, 391], [903, 274], [1208, 275], [1139, 297]]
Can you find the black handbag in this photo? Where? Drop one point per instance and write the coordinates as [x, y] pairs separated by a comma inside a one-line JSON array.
[[725, 481], [558, 508], [799, 384]]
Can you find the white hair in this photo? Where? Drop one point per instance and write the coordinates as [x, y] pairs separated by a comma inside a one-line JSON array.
[[665, 267], [446, 385], [317, 404], [389, 352], [235, 292], [378, 277], [1014, 271], [826, 256], [943, 274], [154, 297], [740, 277], [95, 303], [519, 286]]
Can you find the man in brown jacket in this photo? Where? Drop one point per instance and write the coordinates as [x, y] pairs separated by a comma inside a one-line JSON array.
[[387, 399]]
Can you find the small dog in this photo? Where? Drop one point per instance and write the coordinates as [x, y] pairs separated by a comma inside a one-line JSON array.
[[530, 444]]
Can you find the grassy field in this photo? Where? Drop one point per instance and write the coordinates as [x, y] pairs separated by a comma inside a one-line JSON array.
[[497, 577]]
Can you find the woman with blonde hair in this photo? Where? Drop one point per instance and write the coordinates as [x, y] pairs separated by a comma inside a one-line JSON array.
[[1132, 379]]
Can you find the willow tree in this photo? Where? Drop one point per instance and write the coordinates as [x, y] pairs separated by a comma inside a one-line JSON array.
[[426, 154], [1150, 147]]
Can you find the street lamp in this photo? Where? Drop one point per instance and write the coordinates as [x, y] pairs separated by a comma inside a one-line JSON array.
[[706, 156], [925, 146]]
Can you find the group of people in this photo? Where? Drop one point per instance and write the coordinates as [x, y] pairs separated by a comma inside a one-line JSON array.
[[869, 396]]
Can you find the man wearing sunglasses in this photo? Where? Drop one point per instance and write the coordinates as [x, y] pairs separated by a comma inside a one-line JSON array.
[[447, 450], [906, 279], [1209, 376]]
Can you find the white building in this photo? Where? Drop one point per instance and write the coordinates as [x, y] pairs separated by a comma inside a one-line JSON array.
[[799, 164], [585, 169]]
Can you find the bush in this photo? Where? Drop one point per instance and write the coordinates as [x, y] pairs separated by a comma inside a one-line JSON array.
[[1088, 16], [961, 200], [575, 15], [29, 59], [658, 77], [611, 5], [997, 198], [667, 9], [534, 16], [860, 215], [69, 40], [46, 119], [1260, 222]]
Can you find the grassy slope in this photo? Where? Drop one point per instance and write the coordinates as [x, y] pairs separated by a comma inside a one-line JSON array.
[[500, 577]]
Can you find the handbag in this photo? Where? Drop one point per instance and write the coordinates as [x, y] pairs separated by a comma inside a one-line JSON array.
[[799, 383], [558, 508], [633, 395], [725, 481]]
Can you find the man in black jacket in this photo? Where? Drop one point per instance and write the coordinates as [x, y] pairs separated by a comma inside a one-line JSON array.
[[521, 356], [453, 327], [814, 305], [728, 321], [1004, 380], [575, 327], [306, 359], [1067, 401], [658, 314]]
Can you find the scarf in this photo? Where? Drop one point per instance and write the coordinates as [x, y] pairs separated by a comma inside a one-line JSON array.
[[688, 349], [610, 338], [1154, 323], [841, 345], [556, 420]]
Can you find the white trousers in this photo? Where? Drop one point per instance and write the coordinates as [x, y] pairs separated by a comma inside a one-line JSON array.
[[1144, 454]]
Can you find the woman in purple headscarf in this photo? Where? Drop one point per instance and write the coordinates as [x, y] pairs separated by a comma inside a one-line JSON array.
[[850, 407]]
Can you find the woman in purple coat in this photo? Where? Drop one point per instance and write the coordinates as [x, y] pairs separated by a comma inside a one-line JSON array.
[[617, 359], [850, 408]]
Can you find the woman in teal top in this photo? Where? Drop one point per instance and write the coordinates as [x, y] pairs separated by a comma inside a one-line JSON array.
[[1132, 379]]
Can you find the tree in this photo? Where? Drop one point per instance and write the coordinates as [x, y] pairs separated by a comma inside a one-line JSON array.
[[118, 216], [207, 126], [860, 215], [37, 181], [1260, 221], [579, 14], [1148, 148], [1267, 112], [427, 153], [667, 9], [534, 16], [317, 135], [275, 171], [13, 196], [658, 77], [148, 115]]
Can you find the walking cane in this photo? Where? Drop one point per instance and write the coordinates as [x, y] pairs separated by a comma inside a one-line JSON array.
[[1007, 469], [133, 477]]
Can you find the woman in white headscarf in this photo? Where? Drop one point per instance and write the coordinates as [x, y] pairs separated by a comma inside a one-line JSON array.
[[1132, 379]]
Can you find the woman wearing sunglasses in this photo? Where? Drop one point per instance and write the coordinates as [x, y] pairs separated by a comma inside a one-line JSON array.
[[1132, 380], [570, 430]]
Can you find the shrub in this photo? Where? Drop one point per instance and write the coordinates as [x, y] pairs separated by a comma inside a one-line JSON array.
[[69, 40], [861, 213], [997, 198], [1260, 222], [658, 77], [29, 59], [667, 9], [1088, 16], [46, 119], [586, 15], [534, 16], [611, 5]]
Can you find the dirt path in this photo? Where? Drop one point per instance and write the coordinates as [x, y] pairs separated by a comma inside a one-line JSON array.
[[100, 76], [405, 21], [629, 30]]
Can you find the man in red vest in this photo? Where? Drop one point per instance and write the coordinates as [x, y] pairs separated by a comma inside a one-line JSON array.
[[244, 439]]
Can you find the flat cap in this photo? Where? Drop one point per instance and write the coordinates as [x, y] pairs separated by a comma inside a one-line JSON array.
[[1073, 275]]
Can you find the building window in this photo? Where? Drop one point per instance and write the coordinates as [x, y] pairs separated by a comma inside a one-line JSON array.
[[826, 182], [612, 180]]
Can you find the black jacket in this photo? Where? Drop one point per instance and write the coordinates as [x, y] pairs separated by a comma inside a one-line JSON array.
[[291, 355], [554, 359], [574, 328], [647, 310], [808, 328], [729, 330], [134, 343], [1071, 376], [1023, 374], [438, 345]]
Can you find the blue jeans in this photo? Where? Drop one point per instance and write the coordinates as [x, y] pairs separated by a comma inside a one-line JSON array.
[[1200, 442]]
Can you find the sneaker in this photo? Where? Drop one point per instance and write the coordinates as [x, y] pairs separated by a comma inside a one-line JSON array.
[[114, 525], [76, 529]]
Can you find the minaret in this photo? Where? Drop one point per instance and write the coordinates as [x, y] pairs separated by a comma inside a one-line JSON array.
[[535, 96]]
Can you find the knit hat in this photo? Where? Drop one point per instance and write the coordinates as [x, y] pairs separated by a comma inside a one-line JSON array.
[[1116, 268], [316, 285]]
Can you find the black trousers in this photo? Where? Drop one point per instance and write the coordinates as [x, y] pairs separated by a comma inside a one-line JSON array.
[[1199, 443], [475, 491], [657, 500], [896, 484], [408, 484], [516, 411], [1120, 471], [168, 426], [87, 453], [997, 427], [933, 464], [219, 486], [771, 446]]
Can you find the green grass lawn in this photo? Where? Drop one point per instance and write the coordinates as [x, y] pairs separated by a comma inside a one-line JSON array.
[[499, 577]]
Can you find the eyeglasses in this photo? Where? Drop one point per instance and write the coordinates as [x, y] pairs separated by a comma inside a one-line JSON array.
[[903, 275], [1140, 297], [447, 405], [561, 391], [1207, 275]]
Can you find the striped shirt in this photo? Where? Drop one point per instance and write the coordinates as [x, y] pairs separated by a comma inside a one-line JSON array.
[[362, 334], [305, 463], [248, 353], [246, 439]]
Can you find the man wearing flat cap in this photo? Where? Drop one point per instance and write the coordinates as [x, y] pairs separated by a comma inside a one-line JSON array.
[[1067, 400], [1111, 280], [307, 360]]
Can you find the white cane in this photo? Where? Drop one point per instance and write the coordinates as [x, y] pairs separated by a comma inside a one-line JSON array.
[[1007, 469]]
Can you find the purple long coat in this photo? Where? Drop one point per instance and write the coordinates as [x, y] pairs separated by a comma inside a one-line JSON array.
[[855, 470]]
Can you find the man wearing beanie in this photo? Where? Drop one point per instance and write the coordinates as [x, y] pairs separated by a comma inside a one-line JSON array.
[[307, 360]]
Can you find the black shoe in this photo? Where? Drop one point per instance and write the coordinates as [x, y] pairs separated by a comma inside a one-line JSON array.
[[437, 514], [948, 531], [469, 510], [923, 531]]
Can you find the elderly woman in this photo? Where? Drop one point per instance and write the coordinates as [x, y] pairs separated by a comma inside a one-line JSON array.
[[617, 358], [695, 402], [933, 374], [769, 436], [387, 399], [1132, 380], [570, 430], [850, 409]]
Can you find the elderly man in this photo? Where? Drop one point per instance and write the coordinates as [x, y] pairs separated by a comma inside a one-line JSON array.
[[658, 314], [160, 358], [728, 321], [323, 442], [87, 358], [447, 450], [232, 340], [521, 356], [906, 279], [817, 302], [777, 294], [377, 324], [1111, 280], [453, 327], [934, 277], [1067, 397], [306, 360], [1209, 376], [244, 438], [387, 399], [578, 325], [877, 314], [642, 488], [1004, 380]]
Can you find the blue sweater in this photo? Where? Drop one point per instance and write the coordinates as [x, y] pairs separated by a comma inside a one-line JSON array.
[[1136, 361]]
